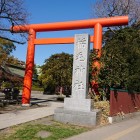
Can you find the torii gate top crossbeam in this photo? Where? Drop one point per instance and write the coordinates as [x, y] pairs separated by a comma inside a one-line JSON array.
[[73, 25]]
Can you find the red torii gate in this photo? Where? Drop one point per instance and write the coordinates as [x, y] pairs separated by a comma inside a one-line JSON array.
[[97, 24]]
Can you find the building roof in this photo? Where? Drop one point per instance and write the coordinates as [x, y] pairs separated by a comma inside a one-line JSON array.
[[14, 70]]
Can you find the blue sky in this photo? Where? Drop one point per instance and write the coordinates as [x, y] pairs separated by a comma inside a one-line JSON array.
[[46, 11]]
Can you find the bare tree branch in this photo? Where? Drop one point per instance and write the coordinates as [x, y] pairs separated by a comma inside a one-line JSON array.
[[107, 8], [12, 40], [12, 12], [2, 5], [2, 29]]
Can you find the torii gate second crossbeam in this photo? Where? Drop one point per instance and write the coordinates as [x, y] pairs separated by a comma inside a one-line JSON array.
[[96, 24]]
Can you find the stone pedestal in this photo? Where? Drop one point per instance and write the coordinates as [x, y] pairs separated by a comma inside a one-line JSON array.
[[77, 109], [76, 117], [77, 104]]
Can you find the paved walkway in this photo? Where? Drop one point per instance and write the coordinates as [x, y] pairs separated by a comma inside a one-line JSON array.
[[124, 130], [22, 116]]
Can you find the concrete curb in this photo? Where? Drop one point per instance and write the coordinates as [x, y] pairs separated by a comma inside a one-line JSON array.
[[123, 117]]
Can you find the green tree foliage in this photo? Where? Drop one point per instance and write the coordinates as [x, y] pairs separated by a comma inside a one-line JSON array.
[[121, 60], [6, 47], [92, 69], [36, 83], [57, 71], [13, 60]]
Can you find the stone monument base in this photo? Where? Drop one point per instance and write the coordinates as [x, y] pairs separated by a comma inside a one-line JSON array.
[[76, 117], [78, 104]]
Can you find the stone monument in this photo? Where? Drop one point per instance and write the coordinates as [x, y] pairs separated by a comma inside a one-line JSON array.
[[77, 109], [78, 100]]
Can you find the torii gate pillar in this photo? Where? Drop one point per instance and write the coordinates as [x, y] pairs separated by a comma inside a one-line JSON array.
[[29, 69], [97, 48]]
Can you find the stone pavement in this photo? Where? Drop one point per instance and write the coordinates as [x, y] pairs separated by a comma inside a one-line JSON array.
[[22, 116], [124, 130]]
